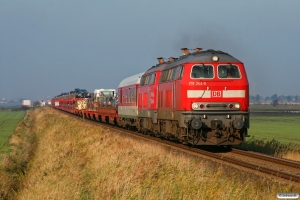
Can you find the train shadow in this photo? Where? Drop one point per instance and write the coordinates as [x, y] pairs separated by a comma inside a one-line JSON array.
[[214, 149]]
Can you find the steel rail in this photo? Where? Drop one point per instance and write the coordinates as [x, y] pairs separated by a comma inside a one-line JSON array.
[[281, 161]]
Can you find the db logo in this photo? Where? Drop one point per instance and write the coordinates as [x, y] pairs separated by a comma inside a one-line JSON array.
[[216, 93]]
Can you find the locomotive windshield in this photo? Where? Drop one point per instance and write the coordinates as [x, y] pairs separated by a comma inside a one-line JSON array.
[[228, 71], [202, 71]]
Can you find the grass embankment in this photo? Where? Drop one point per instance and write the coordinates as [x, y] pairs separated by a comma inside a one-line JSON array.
[[8, 123], [75, 160]]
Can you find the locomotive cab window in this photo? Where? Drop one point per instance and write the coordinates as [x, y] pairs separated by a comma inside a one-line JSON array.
[[228, 71], [202, 71]]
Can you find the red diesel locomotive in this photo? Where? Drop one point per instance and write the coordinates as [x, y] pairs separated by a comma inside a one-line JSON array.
[[200, 98]]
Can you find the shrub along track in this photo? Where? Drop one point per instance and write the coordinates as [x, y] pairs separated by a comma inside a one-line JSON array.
[[282, 168]]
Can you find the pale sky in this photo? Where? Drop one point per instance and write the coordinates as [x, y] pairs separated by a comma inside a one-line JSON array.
[[54, 46]]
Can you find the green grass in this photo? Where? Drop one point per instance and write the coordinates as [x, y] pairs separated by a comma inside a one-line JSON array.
[[8, 123], [280, 107], [285, 129], [274, 135]]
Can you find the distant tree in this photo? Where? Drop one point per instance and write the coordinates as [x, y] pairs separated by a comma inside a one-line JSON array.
[[267, 98], [275, 102], [296, 98], [252, 98], [274, 97], [289, 98], [281, 98], [257, 98]]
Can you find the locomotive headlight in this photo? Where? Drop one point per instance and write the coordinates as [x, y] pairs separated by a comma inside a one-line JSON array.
[[195, 106], [237, 106], [215, 58]]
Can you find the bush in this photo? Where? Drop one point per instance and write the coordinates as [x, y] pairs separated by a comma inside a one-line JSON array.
[[271, 147]]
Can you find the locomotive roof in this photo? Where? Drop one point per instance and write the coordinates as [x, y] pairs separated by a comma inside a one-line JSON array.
[[135, 79], [203, 56]]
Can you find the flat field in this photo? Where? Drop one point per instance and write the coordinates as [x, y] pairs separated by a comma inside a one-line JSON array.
[[285, 128], [8, 123], [280, 107]]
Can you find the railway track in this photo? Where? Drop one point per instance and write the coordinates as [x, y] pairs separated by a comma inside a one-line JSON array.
[[286, 169], [278, 167], [272, 159]]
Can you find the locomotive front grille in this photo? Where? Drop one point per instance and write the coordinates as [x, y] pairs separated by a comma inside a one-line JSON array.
[[216, 105]]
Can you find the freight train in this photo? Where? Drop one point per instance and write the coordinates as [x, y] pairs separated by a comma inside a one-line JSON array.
[[200, 98]]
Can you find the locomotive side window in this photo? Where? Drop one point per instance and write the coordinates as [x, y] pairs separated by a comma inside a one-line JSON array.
[[143, 80], [228, 71], [124, 95], [148, 79], [202, 71], [164, 75], [180, 69], [134, 94], [152, 81], [171, 74], [170, 71], [120, 96], [174, 73], [168, 75]]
